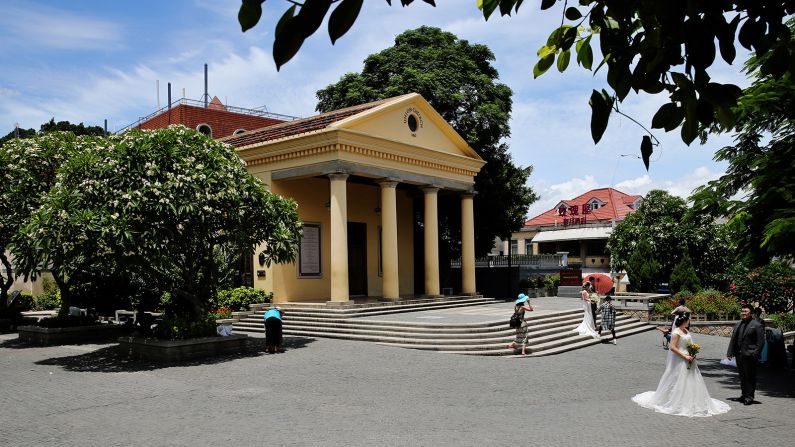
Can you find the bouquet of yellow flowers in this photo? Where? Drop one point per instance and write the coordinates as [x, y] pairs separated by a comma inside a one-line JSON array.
[[692, 349]]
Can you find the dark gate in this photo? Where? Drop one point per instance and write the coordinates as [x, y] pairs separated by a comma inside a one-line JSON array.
[[491, 282]]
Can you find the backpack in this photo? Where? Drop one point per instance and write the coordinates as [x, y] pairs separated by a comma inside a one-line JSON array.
[[516, 319]]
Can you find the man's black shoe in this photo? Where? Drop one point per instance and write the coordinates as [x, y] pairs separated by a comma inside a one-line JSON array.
[[748, 401]]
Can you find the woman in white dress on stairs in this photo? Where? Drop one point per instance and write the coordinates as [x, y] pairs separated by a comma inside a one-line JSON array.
[[587, 326], [681, 391]]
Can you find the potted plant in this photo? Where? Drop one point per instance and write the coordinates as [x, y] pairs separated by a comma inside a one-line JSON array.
[[551, 283]]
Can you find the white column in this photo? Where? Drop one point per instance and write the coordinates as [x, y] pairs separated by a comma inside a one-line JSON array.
[[431, 224], [389, 240], [339, 237], [467, 244]]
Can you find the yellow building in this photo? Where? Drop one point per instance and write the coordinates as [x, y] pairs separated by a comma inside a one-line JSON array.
[[354, 173]]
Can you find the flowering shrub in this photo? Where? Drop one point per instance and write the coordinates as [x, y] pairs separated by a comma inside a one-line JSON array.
[[157, 204], [708, 301], [712, 302], [773, 286], [221, 313]]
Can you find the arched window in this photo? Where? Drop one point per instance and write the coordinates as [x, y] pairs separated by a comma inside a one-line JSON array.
[[205, 129], [239, 131]]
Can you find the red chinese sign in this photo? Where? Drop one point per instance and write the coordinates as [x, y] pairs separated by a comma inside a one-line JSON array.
[[575, 210]]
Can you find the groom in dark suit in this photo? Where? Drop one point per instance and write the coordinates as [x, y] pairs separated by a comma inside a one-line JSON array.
[[746, 344]]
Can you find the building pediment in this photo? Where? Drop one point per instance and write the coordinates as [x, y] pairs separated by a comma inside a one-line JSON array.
[[402, 134], [410, 120]]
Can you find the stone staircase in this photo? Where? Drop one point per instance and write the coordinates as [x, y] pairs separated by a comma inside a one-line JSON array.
[[549, 334]]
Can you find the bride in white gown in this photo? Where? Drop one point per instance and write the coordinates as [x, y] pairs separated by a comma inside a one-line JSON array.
[[681, 391], [587, 326]]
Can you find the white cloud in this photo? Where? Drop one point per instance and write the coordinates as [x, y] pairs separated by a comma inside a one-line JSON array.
[[57, 28], [685, 185], [634, 186]]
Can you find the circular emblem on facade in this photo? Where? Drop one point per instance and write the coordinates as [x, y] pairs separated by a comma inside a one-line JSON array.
[[413, 120]]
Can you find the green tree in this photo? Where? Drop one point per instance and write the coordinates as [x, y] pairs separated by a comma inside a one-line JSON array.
[[52, 126], [156, 204], [27, 171], [684, 276], [649, 47], [642, 268], [660, 220], [458, 80], [756, 192]]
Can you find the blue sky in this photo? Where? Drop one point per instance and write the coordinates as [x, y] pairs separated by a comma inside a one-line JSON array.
[[86, 61]]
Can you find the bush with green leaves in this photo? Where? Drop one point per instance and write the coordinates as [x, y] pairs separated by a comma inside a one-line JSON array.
[[50, 298], [713, 302], [706, 302], [180, 328], [239, 298], [552, 281], [784, 321], [666, 306], [773, 286]]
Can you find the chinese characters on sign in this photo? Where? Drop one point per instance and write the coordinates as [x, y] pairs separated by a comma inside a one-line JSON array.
[[574, 211]]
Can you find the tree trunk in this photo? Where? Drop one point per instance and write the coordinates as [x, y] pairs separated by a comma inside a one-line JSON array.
[[5, 284], [66, 298]]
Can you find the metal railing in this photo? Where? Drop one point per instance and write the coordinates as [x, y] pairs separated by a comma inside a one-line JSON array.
[[550, 260], [201, 104]]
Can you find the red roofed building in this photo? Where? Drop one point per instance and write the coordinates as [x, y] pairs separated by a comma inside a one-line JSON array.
[[579, 226], [213, 118]]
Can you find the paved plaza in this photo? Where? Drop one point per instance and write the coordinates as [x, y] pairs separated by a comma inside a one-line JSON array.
[[343, 393]]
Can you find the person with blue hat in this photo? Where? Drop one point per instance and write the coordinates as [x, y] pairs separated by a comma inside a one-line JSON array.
[[517, 322]]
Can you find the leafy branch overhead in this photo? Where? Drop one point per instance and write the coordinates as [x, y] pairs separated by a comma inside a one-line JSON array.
[[301, 20], [668, 48], [648, 46]]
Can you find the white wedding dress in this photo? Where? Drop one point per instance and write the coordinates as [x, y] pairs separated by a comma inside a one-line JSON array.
[[681, 391], [586, 327]]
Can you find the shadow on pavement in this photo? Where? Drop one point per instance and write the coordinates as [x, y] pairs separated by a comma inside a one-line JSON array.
[[770, 381], [14, 343], [110, 360]]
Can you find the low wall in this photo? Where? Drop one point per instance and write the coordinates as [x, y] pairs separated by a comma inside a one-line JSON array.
[[170, 351], [569, 291], [48, 336], [698, 323]]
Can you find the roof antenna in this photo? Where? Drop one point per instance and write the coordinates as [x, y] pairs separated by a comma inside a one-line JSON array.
[[206, 96]]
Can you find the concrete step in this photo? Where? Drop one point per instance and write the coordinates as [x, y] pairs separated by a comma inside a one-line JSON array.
[[383, 310], [588, 341], [548, 333], [498, 343]]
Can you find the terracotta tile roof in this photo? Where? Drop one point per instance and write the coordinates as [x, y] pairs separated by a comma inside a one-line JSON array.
[[298, 127], [616, 207]]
